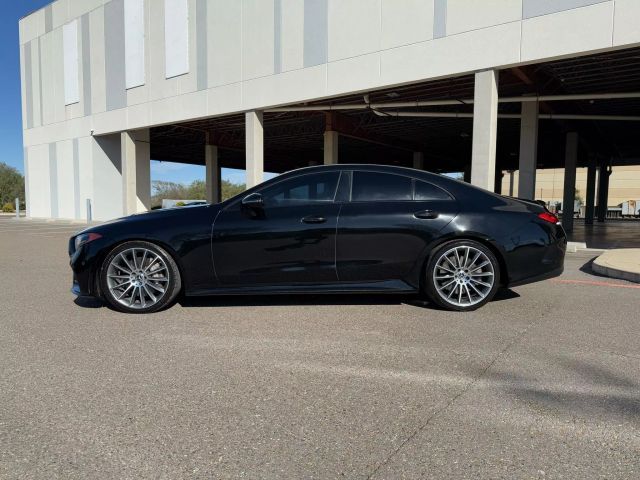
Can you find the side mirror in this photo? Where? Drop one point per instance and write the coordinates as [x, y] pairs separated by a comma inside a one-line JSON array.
[[254, 201]]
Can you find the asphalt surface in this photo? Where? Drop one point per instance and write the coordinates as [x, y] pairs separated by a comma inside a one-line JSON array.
[[542, 383]]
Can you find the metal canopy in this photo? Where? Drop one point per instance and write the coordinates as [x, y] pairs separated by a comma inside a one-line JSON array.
[[294, 139]]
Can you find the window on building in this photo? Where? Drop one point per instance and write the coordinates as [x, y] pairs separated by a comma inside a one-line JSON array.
[[71, 63], [176, 37], [134, 42]]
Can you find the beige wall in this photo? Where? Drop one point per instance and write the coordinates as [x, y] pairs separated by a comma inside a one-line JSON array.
[[624, 184]]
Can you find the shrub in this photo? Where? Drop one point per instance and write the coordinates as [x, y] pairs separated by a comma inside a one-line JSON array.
[[8, 208]]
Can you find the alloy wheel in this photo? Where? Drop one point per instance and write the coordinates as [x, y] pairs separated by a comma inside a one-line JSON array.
[[463, 276], [137, 278]]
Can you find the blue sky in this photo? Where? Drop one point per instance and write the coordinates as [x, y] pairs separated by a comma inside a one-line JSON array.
[[11, 119]]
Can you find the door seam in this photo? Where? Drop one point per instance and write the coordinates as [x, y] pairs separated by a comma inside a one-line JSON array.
[[335, 244]]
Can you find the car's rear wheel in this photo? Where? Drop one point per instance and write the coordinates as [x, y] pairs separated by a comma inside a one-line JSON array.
[[462, 275], [139, 277]]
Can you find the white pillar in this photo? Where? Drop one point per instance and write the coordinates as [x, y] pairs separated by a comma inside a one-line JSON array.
[[136, 171], [528, 150], [418, 160], [485, 127], [331, 141], [213, 180], [511, 183], [569, 194], [255, 148]]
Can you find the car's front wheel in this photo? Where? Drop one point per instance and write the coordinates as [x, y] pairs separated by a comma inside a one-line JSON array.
[[462, 275], [139, 277]]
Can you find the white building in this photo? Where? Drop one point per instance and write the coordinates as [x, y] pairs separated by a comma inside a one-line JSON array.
[[109, 84]]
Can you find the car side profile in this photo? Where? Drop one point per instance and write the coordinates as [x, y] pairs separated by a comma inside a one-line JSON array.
[[326, 229]]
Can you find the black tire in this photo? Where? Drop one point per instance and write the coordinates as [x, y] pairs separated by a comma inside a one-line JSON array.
[[150, 283], [469, 283]]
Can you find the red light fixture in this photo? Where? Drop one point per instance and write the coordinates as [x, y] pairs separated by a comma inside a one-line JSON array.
[[548, 217]]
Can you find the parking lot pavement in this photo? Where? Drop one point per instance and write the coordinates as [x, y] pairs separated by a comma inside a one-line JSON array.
[[542, 383]]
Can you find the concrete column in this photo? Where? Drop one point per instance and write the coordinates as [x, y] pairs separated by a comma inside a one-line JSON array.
[[418, 160], [528, 150], [603, 192], [136, 171], [466, 174], [331, 141], [591, 190], [485, 128], [511, 182], [213, 180], [569, 196], [498, 182], [255, 148]]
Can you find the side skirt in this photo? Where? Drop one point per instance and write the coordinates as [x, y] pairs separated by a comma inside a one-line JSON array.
[[387, 286]]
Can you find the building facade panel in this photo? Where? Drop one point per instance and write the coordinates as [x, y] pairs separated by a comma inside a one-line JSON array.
[[354, 28], [405, 22], [464, 16], [556, 35]]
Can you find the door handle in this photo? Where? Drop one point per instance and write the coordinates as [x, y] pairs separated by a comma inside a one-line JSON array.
[[313, 219], [426, 215]]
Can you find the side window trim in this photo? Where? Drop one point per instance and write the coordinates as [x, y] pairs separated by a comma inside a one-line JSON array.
[[346, 184]]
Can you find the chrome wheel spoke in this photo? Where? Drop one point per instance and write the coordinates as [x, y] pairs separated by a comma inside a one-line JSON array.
[[137, 278], [158, 289], [151, 295], [479, 282], [468, 294], [120, 277], [463, 276], [482, 265], [466, 258]]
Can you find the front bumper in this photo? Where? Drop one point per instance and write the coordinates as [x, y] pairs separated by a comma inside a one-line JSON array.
[[84, 263]]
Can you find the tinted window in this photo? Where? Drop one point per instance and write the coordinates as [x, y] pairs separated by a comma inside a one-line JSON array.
[[320, 187], [426, 191], [375, 187]]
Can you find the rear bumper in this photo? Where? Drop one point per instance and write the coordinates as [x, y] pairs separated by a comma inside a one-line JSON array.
[[538, 255], [538, 278]]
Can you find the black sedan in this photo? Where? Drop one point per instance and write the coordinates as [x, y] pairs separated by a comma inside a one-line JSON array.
[[326, 229]]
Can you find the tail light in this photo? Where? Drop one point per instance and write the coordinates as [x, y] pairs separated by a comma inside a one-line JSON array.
[[548, 217]]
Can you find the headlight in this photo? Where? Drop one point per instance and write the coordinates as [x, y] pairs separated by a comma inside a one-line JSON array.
[[86, 238]]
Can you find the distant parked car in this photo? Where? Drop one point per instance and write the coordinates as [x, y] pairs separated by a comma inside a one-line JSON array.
[[327, 229]]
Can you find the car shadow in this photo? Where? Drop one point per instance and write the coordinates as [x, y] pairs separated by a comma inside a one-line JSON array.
[[299, 300], [89, 302], [322, 299]]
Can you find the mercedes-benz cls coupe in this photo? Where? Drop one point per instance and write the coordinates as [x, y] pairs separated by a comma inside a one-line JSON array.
[[327, 229]]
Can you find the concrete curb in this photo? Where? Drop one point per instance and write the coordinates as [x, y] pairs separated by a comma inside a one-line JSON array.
[[573, 247], [620, 263]]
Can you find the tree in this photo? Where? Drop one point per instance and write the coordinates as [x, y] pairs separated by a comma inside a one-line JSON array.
[[196, 190], [11, 185]]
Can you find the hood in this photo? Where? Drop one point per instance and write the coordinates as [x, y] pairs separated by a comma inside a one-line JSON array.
[[154, 215]]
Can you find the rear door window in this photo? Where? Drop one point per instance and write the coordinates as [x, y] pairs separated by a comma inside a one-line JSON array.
[[425, 191], [380, 187]]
